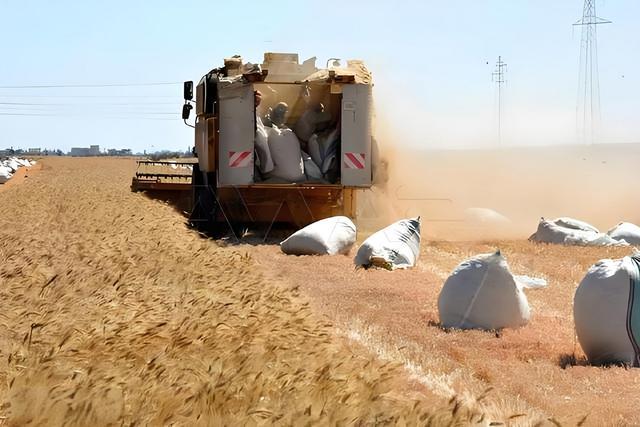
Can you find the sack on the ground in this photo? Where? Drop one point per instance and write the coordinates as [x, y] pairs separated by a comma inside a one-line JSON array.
[[626, 231], [12, 163], [568, 234], [286, 155], [5, 174], [575, 224], [585, 238], [484, 217], [606, 310], [330, 236], [393, 247], [482, 293]]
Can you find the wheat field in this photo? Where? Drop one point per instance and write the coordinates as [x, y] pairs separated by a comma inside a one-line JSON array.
[[113, 312]]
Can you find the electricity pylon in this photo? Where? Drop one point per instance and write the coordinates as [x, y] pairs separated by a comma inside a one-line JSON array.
[[588, 102], [498, 77]]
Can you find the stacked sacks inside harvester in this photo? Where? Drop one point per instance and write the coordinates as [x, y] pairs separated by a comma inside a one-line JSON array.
[[323, 149], [606, 310], [482, 293], [396, 246], [286, 155], [569, 231], [264, 160], [626, 231], [330, 236]]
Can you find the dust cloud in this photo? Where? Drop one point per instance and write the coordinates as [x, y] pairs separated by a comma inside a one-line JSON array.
[[496, 193]]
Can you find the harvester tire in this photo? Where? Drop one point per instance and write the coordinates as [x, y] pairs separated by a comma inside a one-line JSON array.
[[204, 207]]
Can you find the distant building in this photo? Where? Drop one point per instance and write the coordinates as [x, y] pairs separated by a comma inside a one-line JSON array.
[[93, 150], [34, 151], [121, 152], [79, 151]]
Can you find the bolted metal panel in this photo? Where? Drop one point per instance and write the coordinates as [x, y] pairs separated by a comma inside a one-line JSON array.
[[355, 157], [236, 134]]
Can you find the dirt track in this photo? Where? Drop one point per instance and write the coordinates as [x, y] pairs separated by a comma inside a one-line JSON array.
[[531, 370], [112, 312]]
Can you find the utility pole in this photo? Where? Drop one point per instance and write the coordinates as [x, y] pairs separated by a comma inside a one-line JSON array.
[[588, 102], [498, 76]]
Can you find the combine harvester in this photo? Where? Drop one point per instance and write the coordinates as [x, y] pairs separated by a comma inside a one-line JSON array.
[[329, 112]]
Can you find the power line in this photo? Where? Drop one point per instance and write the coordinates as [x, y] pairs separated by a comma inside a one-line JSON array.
[[64, 110], [12, 107], [89, 85], [84, 116], [87, 96], [25, 114], [89, 112], [100, 113], [95, 109], [84, 104]]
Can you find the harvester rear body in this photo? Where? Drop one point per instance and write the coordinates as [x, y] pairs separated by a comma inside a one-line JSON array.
[[230, 187]]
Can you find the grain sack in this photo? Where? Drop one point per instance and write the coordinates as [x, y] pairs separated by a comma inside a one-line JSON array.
[[330, 236], [12, 164], [324, 150], [555, 232], [311, 169], [310, 120], [322, 146], [484, 217], [286, 154], [575, 224], [263, 154], [626, 231], [606, 310], [393, 247], [314, 149], [5, 174], [482, 293]]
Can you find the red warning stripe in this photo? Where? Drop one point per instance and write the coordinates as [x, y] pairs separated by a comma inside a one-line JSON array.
[[354, 160], [239, 159]]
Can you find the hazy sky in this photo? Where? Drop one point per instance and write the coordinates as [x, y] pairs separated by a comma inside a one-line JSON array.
[[429, 59]]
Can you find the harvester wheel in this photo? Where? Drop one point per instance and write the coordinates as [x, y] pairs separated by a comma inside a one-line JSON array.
[[203, 211]]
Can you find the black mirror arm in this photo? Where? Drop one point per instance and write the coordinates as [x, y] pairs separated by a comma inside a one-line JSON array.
[[186, 112]]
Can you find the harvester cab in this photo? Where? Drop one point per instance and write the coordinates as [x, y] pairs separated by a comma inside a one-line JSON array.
[[279, 141]]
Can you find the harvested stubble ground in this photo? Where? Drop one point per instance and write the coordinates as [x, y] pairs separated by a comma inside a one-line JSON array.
[[537, 370], [112, 312]]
